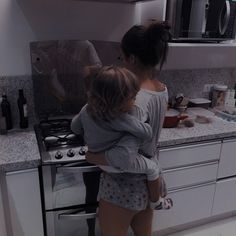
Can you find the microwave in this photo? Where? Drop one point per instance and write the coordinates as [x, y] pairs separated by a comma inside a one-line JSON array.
[[201, 20]]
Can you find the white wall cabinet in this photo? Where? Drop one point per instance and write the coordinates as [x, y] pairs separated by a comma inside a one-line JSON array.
[[24, 203]]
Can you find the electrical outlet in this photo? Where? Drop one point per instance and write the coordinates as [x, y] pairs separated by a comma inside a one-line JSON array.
[[207, 88]]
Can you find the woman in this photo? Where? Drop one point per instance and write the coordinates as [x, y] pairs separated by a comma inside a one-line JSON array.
[[124, 197]]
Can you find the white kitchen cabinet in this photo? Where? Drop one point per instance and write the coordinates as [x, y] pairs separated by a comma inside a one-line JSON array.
[[24, 203], [189, 154], [191, 175], [2, 216], [190, 204], [225, 200], [227, 165]]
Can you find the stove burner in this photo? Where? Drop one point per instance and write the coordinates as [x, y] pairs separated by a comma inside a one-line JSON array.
[[57, 133]]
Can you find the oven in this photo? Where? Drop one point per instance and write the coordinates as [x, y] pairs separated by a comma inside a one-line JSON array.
[[69, 194], [69, 184]]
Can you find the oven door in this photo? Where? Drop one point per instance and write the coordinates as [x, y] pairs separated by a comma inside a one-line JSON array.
[[81, 221], [66, 185]]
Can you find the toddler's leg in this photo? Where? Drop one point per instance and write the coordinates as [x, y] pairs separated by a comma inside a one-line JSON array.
[[154, 190], [158, 199]]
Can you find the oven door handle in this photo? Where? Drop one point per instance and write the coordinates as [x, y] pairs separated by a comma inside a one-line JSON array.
[[77, 216], [77, 169]]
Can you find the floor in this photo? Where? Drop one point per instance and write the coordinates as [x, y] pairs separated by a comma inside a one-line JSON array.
[[225, 227]]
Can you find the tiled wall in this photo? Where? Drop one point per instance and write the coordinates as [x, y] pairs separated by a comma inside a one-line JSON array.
[[191, 82], [188, 82]]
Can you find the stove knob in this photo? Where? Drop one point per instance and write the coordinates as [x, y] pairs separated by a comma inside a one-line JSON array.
[[82, 151], [70, 153], [58, 155]]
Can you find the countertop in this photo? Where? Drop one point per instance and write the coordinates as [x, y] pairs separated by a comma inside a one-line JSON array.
[[19, 149]]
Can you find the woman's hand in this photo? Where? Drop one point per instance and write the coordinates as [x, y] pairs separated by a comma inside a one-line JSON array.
[[96, 158]]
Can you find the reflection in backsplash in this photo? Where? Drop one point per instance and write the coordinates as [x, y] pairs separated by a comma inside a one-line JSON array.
[[189, 82]]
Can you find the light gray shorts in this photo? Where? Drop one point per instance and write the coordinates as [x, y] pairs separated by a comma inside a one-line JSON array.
[[127, 190]]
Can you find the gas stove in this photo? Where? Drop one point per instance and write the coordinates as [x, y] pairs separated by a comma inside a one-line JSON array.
[[57, 143]]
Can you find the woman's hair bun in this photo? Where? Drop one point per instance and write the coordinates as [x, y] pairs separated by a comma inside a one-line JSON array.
[[158, 31]]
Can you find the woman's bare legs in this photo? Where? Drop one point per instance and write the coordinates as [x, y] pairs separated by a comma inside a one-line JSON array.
[[115, 220], [142, 223]]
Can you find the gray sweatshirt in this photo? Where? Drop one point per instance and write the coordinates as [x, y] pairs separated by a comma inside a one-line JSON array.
[[121, 136]]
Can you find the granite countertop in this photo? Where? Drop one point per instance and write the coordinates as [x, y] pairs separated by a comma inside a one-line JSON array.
[[19, 149]]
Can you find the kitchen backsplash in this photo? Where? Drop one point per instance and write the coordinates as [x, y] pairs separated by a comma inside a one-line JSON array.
[[188, 82], [191, 82]]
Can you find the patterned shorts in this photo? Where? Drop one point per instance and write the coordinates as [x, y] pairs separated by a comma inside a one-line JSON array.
[[127, 190], [124, 190]]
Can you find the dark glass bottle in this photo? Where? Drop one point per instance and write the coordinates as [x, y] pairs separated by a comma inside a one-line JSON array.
[[6, 111], [22, 106]]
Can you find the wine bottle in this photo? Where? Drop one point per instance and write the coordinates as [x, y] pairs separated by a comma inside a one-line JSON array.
[[22, 106], [6, 111]]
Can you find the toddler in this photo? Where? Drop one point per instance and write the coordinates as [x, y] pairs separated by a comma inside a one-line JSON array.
[[105, 122]]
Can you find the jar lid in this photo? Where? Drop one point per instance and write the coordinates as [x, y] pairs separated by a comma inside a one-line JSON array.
[[220, 87]]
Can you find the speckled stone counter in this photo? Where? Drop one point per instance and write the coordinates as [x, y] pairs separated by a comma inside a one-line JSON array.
[[218, 129], [19, 150]]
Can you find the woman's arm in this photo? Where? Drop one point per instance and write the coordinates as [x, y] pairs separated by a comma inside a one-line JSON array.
[[97, 158], [125, 158]]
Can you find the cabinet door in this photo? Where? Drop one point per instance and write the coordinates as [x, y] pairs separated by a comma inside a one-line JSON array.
[[191, 175], [25, 203], [227, 166], [2, 218], [189, 154], [224, 200], [190, 204]]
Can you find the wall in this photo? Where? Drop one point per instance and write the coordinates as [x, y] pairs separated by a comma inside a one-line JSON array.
[[23, 21], [14, 41]]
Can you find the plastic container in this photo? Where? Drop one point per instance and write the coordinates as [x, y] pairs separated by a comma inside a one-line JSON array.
[[218, 95]]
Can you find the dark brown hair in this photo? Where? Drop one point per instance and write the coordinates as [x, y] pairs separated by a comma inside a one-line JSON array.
[[148, 43], [110, 91]]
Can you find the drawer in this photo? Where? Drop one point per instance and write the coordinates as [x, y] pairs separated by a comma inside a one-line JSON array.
[[191, 175], [189, 155], [224, 200], [190, 204], [227, 165]]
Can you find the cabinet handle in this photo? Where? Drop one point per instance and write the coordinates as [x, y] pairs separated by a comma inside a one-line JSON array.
[[229, 140], [190, 166], [188, 146], [191, 187], [21, 171]]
